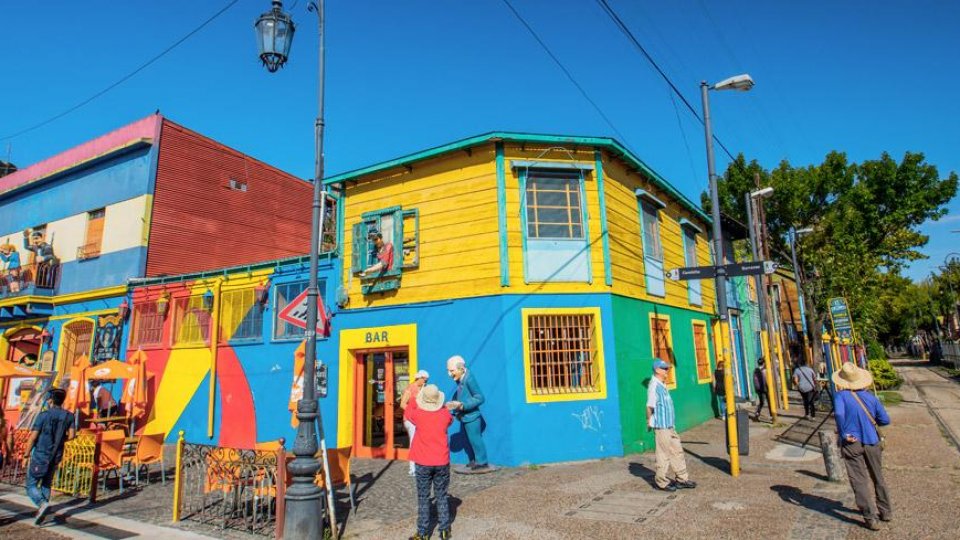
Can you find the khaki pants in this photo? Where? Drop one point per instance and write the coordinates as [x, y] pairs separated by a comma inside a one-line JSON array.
[[669, 455], [865, 469]]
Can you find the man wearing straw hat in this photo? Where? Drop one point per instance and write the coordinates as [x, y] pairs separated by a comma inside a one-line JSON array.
[[858, 413], [431, 452]]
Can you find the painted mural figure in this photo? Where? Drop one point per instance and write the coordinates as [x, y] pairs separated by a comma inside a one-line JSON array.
[[50, 431], [661, 418], [466, 407], [409, 393], [9, 268], [43, 256], [384, 254]]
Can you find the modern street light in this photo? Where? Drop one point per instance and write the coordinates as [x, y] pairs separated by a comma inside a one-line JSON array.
[[766, 319], [743, 83], [275, 31]]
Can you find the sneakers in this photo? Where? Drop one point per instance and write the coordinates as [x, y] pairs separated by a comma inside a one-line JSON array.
[[479, 467], [419, 536], [886, 517], [872, 524], [41, 512], [445, 534], [687, 484], [669, 487]]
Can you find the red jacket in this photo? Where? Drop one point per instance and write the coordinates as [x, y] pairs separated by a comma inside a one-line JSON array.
[[430, 446]]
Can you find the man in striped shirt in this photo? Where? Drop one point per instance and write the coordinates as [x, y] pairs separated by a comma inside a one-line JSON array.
[[661, 419]]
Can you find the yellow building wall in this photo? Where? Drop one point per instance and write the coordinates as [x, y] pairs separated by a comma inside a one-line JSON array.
[[626, 247], [456, 195]]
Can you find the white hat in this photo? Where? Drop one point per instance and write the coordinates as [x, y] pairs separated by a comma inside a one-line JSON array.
[[430, 398], [422, 374]]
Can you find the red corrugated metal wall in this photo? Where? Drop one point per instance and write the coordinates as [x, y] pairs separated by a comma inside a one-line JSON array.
[[200, 222]]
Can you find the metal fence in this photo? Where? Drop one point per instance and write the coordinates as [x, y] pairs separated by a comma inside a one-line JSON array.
[[231, 488], [77, 474], [951, 352], [14, 471]]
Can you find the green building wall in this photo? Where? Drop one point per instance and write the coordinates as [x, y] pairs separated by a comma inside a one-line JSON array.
[[693, 401]]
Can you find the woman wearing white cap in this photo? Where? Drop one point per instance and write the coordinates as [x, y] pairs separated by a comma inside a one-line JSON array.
[[411, 392]]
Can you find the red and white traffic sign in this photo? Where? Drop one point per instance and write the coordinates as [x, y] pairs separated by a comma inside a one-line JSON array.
[[295, 313]]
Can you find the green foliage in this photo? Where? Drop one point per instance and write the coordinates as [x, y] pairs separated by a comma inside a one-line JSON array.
[[890, 398], [884, 376], [875, 351], [865, 219]]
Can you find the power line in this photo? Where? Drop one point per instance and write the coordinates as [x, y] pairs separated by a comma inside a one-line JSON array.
[[125, 78], [618, 22], [565, 71]]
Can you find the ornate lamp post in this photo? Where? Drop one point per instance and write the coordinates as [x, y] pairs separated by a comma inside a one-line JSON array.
[[275, 31]]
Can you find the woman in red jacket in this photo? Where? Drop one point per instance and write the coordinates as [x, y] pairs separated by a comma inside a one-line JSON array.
[[430, 452]]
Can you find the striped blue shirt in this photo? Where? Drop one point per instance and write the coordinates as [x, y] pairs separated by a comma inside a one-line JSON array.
[[658, 399]]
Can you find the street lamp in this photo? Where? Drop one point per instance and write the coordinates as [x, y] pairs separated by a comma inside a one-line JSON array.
[[274, 36], [743, 83]]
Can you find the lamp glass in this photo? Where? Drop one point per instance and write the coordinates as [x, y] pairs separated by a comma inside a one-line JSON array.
[[274, 30]]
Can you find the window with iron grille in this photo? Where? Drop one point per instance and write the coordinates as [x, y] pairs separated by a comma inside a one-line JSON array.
[[146, 327], [241, 317], [702, 352], [191, 323], [663, 345], [553, 206], [562, 353]]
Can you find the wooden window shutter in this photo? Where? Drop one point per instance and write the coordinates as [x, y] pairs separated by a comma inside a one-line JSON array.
[[358, 259], [411, 238]]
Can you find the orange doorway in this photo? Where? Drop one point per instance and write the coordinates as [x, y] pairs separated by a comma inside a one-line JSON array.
[[382, 375]]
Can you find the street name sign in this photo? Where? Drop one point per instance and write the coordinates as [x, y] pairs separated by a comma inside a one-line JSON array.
[[731, 270], [295, 313]]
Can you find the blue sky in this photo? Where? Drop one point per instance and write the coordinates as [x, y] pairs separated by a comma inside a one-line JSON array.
[[862, 77]]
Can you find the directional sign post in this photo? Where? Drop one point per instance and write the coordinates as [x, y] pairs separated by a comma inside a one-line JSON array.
[[736, 269], [295, 313]]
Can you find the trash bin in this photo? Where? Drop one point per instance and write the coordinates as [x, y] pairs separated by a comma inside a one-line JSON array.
[[743, 433]]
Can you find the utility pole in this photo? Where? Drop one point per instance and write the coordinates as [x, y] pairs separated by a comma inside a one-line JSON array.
[[773, 332], [761, 304]]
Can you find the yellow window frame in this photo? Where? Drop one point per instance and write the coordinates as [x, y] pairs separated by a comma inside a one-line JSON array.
[[601, 378], [672, 360], [706, 351]]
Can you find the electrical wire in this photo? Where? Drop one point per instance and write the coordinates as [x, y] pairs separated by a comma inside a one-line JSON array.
[[565, 71], [618, 22], [123, 79]]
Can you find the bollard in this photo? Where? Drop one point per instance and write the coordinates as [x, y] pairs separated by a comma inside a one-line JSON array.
[[832, 461]]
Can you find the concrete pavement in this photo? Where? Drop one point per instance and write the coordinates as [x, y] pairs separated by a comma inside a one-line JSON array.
[[941, 394]]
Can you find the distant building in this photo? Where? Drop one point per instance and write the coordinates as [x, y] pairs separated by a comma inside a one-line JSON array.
[[148, 199], [7, 168]]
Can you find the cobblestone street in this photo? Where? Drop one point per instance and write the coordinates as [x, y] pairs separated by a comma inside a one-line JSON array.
[[782, 492]]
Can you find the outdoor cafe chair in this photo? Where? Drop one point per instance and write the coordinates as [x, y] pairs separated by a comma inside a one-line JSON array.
[[149, 451], [339, 459], [111, 456]]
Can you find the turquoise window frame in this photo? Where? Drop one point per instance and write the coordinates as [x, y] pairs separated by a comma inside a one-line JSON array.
[[694, 287], [584, 216], [390, 279], [646, 200]]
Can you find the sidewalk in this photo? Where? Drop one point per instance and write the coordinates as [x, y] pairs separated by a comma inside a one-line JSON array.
[[939, 392]]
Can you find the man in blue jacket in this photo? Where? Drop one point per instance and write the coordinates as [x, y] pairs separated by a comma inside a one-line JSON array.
[[466, 407], [858, 413]]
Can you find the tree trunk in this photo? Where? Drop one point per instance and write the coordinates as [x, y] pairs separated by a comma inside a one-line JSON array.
[[832, 460]]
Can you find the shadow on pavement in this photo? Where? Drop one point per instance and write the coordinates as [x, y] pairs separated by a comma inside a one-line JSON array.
[[720, 464], [367, 481], [642, 471], [828, 507], [811, 474]]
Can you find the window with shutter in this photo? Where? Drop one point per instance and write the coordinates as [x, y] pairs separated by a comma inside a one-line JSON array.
[[652, 248], [411, 238], [93, 241], [380, 268]]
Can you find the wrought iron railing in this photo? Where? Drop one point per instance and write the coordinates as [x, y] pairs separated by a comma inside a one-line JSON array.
[[27, 277], [230, 488], [14, 471]]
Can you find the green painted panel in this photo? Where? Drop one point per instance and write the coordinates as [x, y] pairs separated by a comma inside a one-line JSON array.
[[693, 401]]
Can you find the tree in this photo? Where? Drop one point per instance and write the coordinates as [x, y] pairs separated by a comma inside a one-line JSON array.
[[865, 220]]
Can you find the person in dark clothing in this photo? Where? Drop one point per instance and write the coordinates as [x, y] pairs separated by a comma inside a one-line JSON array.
[[50, 432], [760, 386], [805, 379]]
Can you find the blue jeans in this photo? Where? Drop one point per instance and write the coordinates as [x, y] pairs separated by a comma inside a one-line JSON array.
[[475, 438], [38, 487]]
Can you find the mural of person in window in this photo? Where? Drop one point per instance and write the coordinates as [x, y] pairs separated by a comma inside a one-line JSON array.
[[43, 256], [9, 268], [384, 254]]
